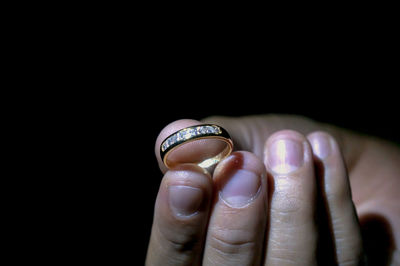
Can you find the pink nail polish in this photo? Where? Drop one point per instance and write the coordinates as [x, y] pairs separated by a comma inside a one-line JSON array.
[[285, 155]]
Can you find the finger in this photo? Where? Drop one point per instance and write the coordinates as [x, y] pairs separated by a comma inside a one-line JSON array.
[[336, 193], [236, 228], [292, 235], [180, 217]]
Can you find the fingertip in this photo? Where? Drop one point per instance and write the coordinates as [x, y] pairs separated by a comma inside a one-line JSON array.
[[287, 151], [285, 134], [322, 144], [184, 198], [180, 217], [188, 174], [239, 178], [241, 160]]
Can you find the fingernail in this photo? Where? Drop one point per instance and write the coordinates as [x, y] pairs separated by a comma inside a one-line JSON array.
[[185, 200], [321, 146], [285, 155], [241, 188]]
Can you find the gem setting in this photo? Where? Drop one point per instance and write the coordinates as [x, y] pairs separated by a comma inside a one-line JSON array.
[[190, 133]]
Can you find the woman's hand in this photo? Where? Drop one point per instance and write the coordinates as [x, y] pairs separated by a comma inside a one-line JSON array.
[[286, 197]]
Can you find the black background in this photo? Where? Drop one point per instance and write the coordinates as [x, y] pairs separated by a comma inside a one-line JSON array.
[[122, 86], [92, 86]]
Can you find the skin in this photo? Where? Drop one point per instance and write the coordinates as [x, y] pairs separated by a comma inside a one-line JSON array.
[[336, 205]]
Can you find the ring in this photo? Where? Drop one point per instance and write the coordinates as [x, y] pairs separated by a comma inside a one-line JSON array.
[[189, 134]]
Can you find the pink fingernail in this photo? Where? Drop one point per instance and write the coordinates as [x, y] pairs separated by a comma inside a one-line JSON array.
[[185, 200], [321, 145], [241, 188], [285, 155]]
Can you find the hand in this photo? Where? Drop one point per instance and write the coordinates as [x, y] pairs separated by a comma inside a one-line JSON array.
[[286, 199]]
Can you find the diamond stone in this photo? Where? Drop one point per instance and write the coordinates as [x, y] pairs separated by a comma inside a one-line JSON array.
[[210, 129], [217, 130], [184, 134], [190, 132], [181, 135], [169, 142], [174, 138], [165, 145]]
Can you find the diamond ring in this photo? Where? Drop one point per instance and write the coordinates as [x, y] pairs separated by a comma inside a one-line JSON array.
[[194, 133]]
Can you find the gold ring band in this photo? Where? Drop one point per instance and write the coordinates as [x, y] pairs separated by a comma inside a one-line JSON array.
[[205, 131]]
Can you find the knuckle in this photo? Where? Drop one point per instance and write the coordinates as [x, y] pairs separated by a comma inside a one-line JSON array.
[[183, 246], [285, 249], [229, 241], [349, 262], [337, 192], [337, 197], [288, 256], [350, 253], [180, 242], [282, 260], [288, 204]]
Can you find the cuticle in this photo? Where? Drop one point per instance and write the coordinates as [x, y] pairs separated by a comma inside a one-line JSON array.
[[251, 200], [186, 216]]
